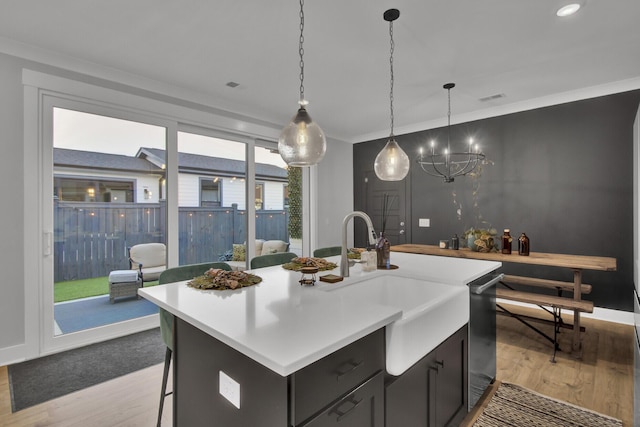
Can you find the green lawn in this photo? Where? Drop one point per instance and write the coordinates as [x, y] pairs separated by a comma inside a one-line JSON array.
[[76, 289]]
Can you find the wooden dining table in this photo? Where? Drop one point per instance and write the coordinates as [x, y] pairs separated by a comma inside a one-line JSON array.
[[577, 263]]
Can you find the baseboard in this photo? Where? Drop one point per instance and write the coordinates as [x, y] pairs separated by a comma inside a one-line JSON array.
[[14, 354], [605, 314]]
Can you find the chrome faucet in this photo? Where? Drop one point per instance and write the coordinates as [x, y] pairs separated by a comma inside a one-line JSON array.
[[344, 261]]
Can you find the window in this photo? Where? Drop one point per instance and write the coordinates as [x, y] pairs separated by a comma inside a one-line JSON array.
[[210, 191], [92, 190], [259, 196], [285, 192]]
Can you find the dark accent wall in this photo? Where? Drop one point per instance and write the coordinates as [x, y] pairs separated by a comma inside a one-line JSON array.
[[562, 174]]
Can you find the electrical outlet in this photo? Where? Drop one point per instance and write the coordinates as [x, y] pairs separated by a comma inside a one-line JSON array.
[[230, 389], [424, 222]]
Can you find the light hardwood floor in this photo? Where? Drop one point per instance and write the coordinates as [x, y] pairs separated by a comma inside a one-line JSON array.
[[601, 381], [130, 400]]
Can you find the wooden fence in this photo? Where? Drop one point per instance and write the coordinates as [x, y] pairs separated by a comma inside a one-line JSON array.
[[91, 239]]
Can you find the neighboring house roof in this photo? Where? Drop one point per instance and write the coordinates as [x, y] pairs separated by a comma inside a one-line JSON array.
[[212, 165], [151, 160], [102, 161]]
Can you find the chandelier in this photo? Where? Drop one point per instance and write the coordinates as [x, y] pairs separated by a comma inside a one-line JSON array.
[[450, 164]]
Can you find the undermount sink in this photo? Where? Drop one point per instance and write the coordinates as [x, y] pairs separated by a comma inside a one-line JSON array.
[[431, 312]]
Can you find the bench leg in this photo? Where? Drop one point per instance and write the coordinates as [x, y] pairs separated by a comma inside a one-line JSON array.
[[556, 328], [576, 344], [530, 326]]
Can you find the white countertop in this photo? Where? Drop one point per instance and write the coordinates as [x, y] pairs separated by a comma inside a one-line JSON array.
[[285, 326]]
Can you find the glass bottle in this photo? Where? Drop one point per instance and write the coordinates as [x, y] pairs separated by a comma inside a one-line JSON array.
[[383, 251], [506, 242], [523, 245], [455, 242]]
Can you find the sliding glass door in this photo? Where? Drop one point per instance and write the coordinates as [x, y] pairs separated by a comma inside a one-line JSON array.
[[225, 195], [110, 171], [108, 197]]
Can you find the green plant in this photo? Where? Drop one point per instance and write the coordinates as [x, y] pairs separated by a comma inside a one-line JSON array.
[[482, 239], [295, 202]]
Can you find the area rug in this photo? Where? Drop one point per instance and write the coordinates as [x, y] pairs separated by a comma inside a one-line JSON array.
[[38, 380], [87, 313], [515, 406]]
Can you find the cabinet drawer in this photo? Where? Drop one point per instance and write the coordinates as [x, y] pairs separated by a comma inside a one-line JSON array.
[[324, 381], [363, 407]]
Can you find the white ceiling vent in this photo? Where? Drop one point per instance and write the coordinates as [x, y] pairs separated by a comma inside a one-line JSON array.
[[492, 97]]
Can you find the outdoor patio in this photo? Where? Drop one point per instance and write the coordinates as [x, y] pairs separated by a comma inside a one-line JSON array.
[[92, 312]]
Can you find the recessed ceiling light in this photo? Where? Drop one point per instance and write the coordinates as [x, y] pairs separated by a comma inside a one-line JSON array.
[[568, 9]]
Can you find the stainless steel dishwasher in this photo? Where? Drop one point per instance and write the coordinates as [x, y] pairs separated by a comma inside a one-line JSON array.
[[482, 335]]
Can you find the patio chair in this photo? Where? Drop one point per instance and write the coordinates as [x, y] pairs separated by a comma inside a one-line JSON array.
[[329, 251], [176, 274], [150, 259], [272, 259]]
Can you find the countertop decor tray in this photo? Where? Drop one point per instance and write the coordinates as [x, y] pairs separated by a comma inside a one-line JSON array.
[[331, 278]]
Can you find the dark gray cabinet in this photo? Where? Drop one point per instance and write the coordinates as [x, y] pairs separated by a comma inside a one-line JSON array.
[[345, 388], [198, 361], [363, 407], [340, 385], [433, 392]]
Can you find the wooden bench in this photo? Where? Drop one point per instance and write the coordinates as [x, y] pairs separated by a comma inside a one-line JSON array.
[[557, 303], [563, 303], [545, 283]]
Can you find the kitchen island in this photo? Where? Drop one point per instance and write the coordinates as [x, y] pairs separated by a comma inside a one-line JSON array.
[[279, 353]]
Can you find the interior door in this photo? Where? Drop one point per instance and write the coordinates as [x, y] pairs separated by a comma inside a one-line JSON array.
[[396, 227]]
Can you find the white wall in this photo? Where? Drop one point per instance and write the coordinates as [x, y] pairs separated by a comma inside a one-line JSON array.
[[273, 195], [188, 190], [334, 193], [233, 192], [12, 302]]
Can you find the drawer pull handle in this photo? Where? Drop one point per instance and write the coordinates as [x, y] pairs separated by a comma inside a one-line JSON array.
[[342, 414], [352, 367]]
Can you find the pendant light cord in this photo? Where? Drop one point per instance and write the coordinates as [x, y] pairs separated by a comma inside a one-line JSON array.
[[392, 79], [301, 52], [449, 122]]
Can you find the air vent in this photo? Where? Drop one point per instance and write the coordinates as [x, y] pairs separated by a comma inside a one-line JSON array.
[[491, 97], [233, 84]]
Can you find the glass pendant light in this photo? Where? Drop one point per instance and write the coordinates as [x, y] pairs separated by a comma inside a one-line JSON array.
[[392, 163], [302, 142]]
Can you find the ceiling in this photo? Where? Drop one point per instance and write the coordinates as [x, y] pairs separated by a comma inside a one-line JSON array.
[[517, 48]]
